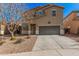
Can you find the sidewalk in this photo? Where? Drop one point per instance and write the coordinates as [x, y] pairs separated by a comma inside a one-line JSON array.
[[54, 52]]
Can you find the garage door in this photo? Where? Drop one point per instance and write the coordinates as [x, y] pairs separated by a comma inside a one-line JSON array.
[[49, 30]]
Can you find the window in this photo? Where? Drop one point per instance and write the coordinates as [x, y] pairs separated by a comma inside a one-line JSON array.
[[25, 26], [40, 12], [77, 14], [53, 12], [34, 14]]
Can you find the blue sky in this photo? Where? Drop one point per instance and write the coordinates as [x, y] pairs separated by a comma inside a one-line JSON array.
[[68, 7]]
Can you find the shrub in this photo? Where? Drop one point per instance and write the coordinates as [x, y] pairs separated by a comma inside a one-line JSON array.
[[18, 41], [1, 42], [28, 37], [13, 38]]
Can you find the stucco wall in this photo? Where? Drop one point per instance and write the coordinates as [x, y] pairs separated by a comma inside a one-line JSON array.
[[74, 27], [73, 22], [68, 20]]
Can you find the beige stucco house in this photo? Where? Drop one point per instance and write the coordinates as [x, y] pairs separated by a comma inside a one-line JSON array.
[[72, 22], [44, 20]]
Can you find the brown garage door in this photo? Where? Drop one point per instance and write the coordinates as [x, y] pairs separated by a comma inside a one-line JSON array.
[[49, 30]]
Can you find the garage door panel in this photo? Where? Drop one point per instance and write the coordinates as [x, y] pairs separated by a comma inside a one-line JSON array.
[[49, 30]]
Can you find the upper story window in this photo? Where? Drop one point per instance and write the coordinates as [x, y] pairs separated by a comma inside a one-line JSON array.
[[77, 14], [40, 12], [54, 12]]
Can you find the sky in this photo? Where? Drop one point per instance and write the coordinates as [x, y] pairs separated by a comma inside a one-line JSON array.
[[68, 8]]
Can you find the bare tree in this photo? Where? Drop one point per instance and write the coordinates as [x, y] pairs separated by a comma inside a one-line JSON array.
[[13, 25], [14, 12], [12, 28]]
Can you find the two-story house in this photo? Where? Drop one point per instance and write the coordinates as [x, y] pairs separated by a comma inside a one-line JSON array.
[[44, 20], [71, 22]]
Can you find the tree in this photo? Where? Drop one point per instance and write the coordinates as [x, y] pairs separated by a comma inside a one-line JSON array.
[[12, 26], [11, 14]]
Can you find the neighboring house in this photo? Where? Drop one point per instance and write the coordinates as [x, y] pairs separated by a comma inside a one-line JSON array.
[[2, 26], [44, 20], [71, 22]]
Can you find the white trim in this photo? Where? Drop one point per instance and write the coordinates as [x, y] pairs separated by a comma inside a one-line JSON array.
[[77, 14]]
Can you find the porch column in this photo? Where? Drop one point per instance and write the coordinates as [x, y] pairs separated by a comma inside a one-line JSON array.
[[29, 29], [61, 30], [37, 30]]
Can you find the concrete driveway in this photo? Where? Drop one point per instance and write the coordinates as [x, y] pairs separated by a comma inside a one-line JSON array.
[[55, 45], [48, 42]]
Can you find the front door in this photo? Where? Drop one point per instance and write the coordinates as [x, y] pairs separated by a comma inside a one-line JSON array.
[[33, 29]]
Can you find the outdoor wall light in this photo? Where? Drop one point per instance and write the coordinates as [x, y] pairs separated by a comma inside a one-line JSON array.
[[49, 22]]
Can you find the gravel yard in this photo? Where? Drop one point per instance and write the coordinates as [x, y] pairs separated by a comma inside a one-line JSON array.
[[22, 44]]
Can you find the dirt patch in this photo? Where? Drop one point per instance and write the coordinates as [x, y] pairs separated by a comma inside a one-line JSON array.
[[73, 37], [17, 46]]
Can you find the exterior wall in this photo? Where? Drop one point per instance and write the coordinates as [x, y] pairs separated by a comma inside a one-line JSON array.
[[2, 27], [73, 22], [74, 27], [2, 30], [67, 21]]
